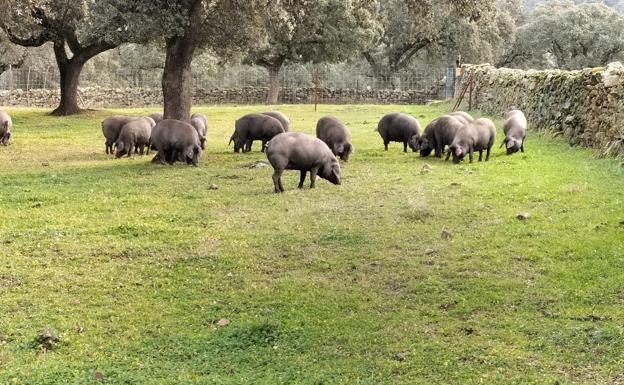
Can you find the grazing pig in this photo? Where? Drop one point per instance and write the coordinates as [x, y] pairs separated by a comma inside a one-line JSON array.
[[281, 117], [200, 122], [5, 128], [397, 127], [157, 116], [254, 127], [462, 116], [134, 134], [438, 134], [176, 140], [111, 127], [515, 129], [336, 135], [476, 136], [298, 151]]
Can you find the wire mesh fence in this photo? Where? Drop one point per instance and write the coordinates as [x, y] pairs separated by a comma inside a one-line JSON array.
[[249, 84]]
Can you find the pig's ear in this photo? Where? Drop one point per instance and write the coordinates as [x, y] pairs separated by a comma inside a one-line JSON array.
[[510, 143]]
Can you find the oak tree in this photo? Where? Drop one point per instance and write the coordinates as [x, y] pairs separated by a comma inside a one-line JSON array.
[[304, 31], [78, 31]]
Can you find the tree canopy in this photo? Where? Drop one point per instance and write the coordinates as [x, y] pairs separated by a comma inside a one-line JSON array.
[[413, 26], [564, 35], [186, 26], [78, 31], [308, 31]]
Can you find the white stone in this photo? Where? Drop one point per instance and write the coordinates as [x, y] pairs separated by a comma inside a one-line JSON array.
[[614, 74]]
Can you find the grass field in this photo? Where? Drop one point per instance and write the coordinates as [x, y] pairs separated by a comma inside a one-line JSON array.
[[133, 264]]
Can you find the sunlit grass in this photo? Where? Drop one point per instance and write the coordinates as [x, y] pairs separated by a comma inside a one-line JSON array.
[[133, 263]]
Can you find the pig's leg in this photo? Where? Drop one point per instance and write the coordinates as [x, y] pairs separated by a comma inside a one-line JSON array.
[[448, 155], [302, 178], [439, 151], [471, 154], [263, 146], [522, 145], [173, 155], [404, 146], [107, 147], [386, 145], [277, 181], [313, 173], [480, 155], [487, 155]]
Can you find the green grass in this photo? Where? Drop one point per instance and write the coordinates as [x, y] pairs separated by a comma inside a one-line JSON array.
[[321, 286]]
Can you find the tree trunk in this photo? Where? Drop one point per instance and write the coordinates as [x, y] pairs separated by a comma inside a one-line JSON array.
[[274, 83], [177, 78], [70, 76], [70, 70]]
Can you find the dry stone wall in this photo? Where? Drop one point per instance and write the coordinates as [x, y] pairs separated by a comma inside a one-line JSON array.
[[96, 97], [585, 106]]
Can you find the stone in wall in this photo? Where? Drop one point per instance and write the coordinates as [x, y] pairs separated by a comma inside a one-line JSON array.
[[98, 97]]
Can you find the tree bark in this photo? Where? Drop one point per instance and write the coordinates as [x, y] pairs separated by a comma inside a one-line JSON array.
[[70, 76], [177, 81], [274, 83], [70, 70]]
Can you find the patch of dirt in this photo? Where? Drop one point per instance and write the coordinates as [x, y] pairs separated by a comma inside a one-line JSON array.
[[10, 281]]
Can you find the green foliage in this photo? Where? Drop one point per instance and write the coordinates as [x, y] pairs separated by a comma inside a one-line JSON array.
[[224, 26], [568, 36], [10, 54], [133, 263], [476, 29], [314, 31], [35, 22]]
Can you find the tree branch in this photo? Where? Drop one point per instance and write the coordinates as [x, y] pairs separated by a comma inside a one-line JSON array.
[[33, 41], [370, 59], [72, 40], [405, 54], [59, 53], [94, 49], [273, 62]]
